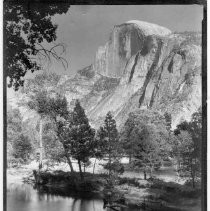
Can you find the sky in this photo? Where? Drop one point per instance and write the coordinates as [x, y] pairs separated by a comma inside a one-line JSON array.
[[85, 27]]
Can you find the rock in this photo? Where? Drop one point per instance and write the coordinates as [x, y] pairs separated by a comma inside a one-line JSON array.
[[125, 41], [142, 66]]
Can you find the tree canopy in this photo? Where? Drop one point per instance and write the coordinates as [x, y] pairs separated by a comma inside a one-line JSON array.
[[27, 26], [186, 147], [110, 146], [194, 127], [79, 136], [145, 138]]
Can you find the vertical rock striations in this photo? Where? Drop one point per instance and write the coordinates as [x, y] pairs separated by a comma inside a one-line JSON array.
[[142, 66], [125, 41]]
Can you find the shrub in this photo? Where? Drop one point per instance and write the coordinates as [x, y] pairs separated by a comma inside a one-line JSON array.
[[22, 148]]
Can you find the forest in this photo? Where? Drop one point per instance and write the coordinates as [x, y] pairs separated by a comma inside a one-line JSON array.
[[61, 135]]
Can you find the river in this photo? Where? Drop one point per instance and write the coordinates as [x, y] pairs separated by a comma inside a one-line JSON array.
[[24, 197]]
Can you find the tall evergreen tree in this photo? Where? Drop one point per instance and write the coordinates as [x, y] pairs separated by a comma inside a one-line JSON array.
[[111, 145], [79, 137]]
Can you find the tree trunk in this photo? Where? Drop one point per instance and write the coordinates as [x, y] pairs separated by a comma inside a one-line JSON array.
[[145, 175], [192, 174], [94, 166], [40, 144], [129, 158], [80, 170], [193, 182], [84, 168], [68, 158], [109, 165], [69, 161]]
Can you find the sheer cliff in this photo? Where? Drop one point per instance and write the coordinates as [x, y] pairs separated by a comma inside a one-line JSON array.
[[142, 66]]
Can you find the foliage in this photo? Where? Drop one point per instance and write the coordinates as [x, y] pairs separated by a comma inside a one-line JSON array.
[[150, 150], [17, 128], [14, 124], [188, 164], [43, 81], [29, 129], [109, 137], [52, 108], [27, 26], [40, 103], [145, 138], [174, 189], [59, 116], [14, 129], [22, 148], [187, 147], [41, 92], [58, 107], [71, 184], [194, 127], [79, 136], [52, 147]]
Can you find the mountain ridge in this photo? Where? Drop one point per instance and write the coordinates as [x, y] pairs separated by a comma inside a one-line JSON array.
[[140, 67], [170, 62]]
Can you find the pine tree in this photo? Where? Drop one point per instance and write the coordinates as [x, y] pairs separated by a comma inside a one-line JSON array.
[[111, 146], [79, 137]]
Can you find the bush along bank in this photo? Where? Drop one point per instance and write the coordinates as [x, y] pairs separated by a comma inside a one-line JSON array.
[[118, 192], [70, 181]]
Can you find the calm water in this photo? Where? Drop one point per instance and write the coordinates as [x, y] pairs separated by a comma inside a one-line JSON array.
[[23, 197]]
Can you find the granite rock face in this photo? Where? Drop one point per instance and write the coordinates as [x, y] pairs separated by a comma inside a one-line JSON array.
[[142, 66], [124, 42]]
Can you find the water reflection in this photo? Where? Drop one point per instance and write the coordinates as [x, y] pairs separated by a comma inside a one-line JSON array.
[[24, 197]]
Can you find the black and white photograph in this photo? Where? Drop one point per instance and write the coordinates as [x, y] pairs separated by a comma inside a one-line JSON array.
[[104, 106]]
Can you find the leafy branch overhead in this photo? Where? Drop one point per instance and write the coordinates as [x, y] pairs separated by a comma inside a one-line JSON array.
[[26, 27]]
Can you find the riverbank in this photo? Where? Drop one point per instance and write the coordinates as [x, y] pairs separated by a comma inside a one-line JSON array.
[[129, 191]]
